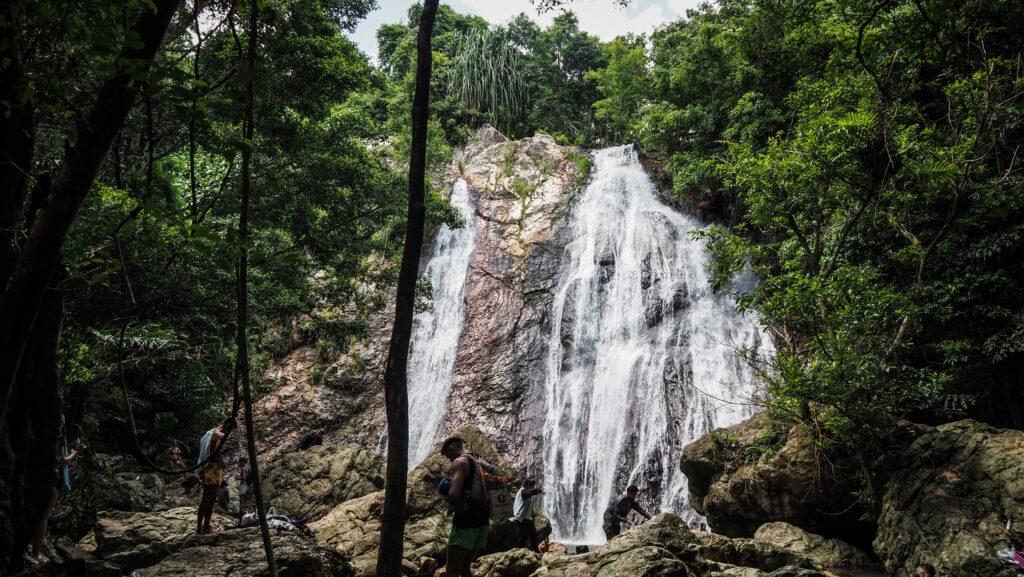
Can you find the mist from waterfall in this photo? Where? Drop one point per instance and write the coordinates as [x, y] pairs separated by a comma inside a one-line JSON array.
[[435, 333], [643, 357]]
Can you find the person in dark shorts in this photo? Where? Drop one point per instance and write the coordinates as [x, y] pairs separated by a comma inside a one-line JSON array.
[[472, 513], [522, 510], [618, 508]]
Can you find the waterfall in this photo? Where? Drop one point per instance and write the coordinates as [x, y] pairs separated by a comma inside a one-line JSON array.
[[642, 357], [435, 333]]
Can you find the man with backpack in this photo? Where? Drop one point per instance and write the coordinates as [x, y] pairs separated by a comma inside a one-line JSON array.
[[468, 499]]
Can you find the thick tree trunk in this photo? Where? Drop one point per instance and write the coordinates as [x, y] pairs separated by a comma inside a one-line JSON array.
[[28, 453], [23, 295], [396, 399]]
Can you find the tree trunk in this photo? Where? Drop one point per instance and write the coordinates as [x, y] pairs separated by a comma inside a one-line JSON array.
[[396, 400], [28, 451], [24, 292], [243, 288]]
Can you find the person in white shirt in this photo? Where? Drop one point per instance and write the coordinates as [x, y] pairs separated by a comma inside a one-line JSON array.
[[522, 514]]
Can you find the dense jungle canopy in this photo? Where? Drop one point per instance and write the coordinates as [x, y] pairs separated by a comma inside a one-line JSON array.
[[862, 159]]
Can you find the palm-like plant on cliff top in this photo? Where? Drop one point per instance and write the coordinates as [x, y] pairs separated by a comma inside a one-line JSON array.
[[487, 75]]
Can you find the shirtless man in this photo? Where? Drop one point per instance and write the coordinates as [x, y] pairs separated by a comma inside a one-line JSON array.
[[212, 474], [472, 516]]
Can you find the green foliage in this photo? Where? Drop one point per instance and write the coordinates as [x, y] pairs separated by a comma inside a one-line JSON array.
[[868, 158], [487, 75]]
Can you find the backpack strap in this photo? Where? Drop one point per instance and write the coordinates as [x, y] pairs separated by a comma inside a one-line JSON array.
[[478, 469]]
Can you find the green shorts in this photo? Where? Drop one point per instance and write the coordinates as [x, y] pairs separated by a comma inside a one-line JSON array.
[[473, 539]]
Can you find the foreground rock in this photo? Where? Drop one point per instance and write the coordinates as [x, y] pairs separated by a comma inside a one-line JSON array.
[[749, 553], [240, 552], [744, 476], [662, 547], [353, 527], [823, 552], [952, 499], [134, 540], [307, 484], [165, 544]]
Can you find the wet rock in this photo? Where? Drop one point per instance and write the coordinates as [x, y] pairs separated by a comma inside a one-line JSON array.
[[749, 474], [307, 484], [661, 547], [828, 553], [951, 500], [794, 572], [513, 563], [748, 553]]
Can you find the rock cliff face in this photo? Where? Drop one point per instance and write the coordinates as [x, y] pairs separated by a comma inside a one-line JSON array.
[[521, 192]]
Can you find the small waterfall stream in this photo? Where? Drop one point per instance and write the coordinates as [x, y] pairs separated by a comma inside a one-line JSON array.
[[435, 333], [643, 356]]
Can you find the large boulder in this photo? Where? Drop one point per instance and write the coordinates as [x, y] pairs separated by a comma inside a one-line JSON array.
[[307, 484], [956, 499], [512, 563], [240, 553], [134, 540], [823, 552], [745, 552], [661, 547], [755, 472], [166, 544]]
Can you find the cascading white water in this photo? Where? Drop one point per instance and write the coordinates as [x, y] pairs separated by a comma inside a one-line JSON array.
[[435, 333], [643, 357]]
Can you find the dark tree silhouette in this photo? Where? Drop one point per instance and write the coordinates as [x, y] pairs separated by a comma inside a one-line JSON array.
[[396, 399]]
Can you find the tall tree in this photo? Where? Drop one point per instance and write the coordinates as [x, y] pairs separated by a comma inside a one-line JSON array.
[[29, 312], [392, 528], [243, 282]]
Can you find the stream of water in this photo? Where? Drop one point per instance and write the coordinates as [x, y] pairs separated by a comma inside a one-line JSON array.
[[643, 357], [436, 332]]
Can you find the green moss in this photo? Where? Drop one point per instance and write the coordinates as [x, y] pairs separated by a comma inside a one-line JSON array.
[[583, 166]]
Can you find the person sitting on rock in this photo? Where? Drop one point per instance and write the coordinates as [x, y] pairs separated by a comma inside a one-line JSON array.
[[311, 438], [212, 474], [244, 480], [472, 514], [223, 501], [926, 570], [618, 509], [522, 510]]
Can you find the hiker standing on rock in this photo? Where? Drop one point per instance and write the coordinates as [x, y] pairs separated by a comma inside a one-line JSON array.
[[522, 510], [212, 474], [472, 513], [244, 481], [618, 508]]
